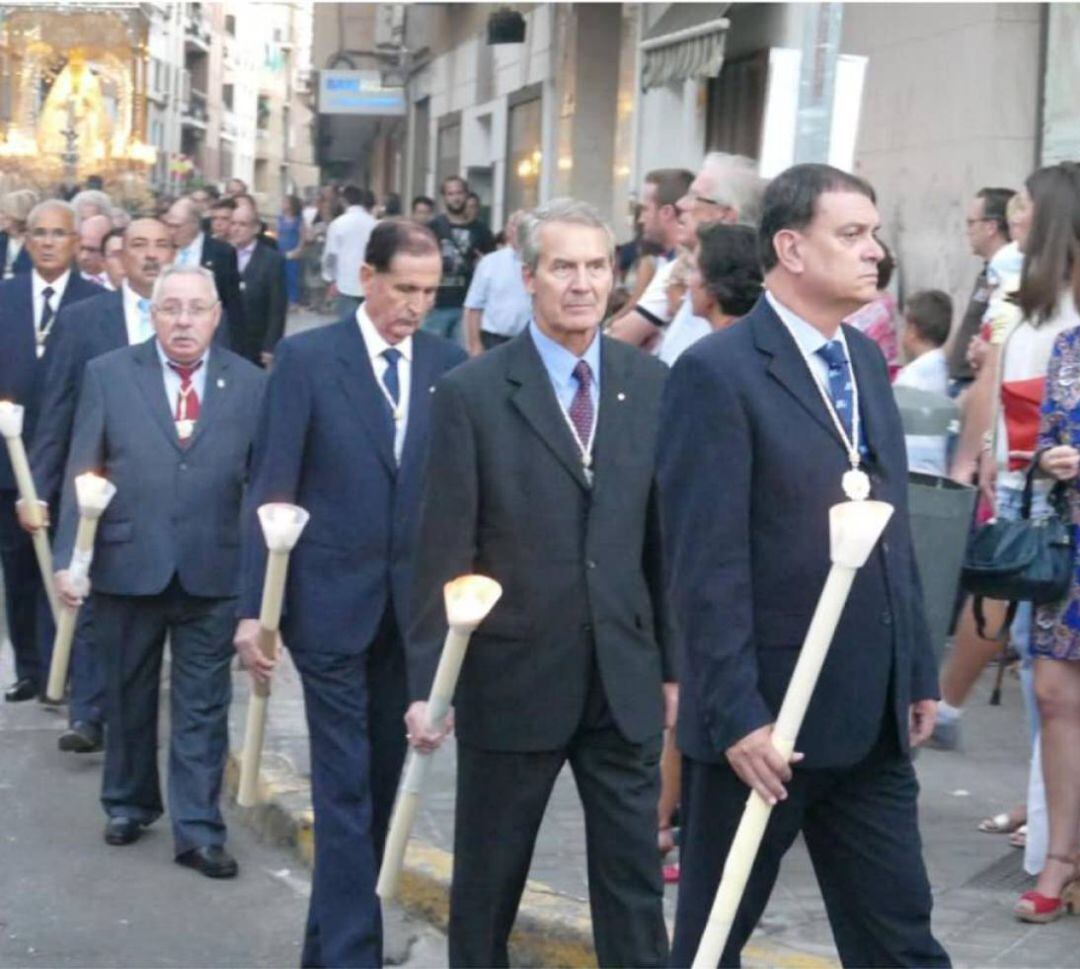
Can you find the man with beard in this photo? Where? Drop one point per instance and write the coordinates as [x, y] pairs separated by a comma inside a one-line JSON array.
[[83, 332], [29, 304], [462, 241]]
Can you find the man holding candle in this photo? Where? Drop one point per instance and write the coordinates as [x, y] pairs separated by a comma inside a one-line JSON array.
[[82, 332], [768, 424], [29, 304], [170, 423], [541, 475], [343, 434]]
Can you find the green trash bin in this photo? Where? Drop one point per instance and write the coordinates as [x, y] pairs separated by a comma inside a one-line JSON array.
[[941, 512]]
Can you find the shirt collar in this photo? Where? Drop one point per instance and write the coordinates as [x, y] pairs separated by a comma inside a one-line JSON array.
[[374, 340], [560, 362], [808, 338], [249, 248], [131, 298], [59, 285], [195, 247]]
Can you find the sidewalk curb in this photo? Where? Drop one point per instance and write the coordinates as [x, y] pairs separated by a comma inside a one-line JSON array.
[[551, 929]]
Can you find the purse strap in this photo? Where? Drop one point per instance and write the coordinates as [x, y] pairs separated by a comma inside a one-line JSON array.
[[1056, 498]]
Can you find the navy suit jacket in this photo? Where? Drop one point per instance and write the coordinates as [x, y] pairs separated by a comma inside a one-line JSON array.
[[220, 258], [177, 509], [20, 369], [23, 263], [749, 465], [81, 332], [325, 443]]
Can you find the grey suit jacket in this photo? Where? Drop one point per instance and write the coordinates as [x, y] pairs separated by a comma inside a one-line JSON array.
[[176, 509], [506, 496]]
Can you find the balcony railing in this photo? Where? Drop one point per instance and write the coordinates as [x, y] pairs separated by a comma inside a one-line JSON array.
[[194, 110]]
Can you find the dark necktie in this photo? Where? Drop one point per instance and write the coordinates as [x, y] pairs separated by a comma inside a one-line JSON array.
[[187, 400], [581, 407], [392, 382], [46, 309], [839, 381]]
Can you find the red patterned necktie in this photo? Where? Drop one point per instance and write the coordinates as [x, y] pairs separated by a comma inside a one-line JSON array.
[[581, 407], [187, 400]]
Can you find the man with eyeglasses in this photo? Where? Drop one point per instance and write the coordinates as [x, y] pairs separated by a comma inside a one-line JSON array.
[[29, 304], [83, 332], [987, 231], [195, 248], [170, 422], [91, 256], [262, 286]]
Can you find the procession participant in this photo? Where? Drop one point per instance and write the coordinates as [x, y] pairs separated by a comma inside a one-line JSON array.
[[91, 252], [112, 246], [82, 332], [262, 286], [767, 424], [29, 303], [170, 423], [343, 434], [541, 475]]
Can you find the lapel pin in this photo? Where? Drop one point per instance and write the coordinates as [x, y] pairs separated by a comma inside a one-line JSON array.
[[431, 389], [620, 396], [221, 383]]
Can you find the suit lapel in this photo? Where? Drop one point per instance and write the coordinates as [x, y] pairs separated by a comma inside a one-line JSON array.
[[787, 366], [357, 379], [151, 383], [214, 394], [611, 429], [535, 399], [422, 379], [871, 418], [114, 323]]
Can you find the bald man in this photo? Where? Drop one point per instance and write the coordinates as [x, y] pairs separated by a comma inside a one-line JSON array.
[[83, 332], [194, 247], [91, 254]]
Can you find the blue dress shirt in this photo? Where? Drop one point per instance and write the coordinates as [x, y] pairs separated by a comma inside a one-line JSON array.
[[560, 362]]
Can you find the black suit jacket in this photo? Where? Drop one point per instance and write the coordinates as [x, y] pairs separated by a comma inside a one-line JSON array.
[[220, 258], [20, 369], [750, 464], [81, 332], [22, 264], [262, 290], [506, 496]]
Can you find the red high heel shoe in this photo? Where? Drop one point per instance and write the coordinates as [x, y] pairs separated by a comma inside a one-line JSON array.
[[1038, 908]]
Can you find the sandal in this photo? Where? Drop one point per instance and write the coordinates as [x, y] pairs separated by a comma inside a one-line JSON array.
[[1003, 823], [1037, 908], [1018, 839]]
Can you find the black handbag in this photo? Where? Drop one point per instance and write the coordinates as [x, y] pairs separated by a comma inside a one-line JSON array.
[[1020, 561]]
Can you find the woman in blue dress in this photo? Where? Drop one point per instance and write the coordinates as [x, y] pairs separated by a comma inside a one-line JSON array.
[[290, 234]]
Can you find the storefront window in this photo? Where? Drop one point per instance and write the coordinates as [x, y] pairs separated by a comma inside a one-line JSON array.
[[523, 156]]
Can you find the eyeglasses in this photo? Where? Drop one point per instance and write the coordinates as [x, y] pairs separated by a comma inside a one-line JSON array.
[[174, 310], [57, 235]]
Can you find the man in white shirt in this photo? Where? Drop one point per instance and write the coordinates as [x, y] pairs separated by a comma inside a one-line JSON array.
[[497, 307], [927, 320], [659, 225], [346, 239]]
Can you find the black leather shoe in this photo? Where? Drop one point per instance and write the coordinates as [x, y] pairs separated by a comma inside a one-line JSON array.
[[82, 737], [21, 690], [210, 860], [122, 831]]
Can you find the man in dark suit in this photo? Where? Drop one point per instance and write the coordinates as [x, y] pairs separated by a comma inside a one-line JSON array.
[[343, 434], [20, 264], [194, 247], [541, 475], [262, 287], [761, 422], [82, 332], [170, 423], [29, 304]]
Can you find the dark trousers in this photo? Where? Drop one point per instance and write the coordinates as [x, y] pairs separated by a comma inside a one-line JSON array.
[[489, 341], [200, 634], [22, 585], [86, 703], [861, 828], [501, 797], [355, 706]]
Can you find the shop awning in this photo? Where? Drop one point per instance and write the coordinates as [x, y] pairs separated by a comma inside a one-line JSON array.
[[687, 41]]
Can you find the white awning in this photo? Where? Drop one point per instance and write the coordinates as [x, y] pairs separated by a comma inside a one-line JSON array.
[[686, 42]]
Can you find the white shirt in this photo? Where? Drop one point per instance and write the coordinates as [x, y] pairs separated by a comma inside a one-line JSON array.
[[498, 289], [37, 287], [172, 378], [376, 344], [930, 372], [139, 327], [346, 241], [685, 330], [654, 302], [191, 254]]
